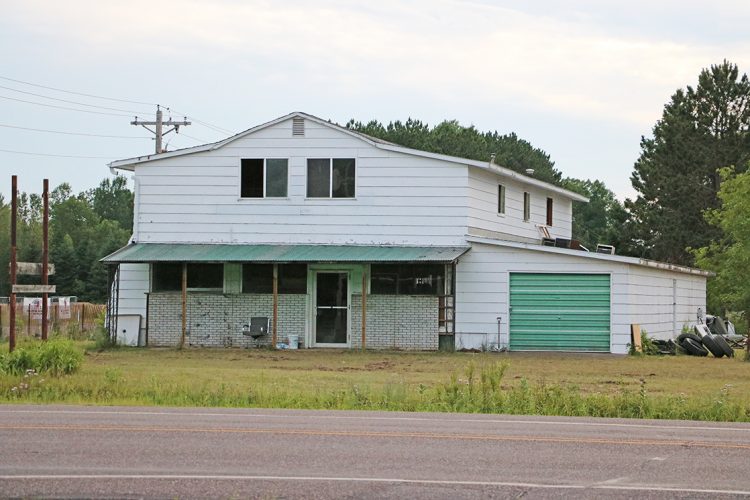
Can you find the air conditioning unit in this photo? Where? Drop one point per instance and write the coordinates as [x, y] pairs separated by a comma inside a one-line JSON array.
[[608, 249], [562, 242], [548, 242]]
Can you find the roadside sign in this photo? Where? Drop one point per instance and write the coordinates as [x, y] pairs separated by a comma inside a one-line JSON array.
[[34, 288], [33, 268]]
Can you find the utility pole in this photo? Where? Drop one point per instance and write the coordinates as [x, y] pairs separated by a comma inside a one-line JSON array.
[[45, 257], [159, 125], [13, 215]]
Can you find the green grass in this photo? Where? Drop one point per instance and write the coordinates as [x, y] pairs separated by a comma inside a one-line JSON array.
[[520, 383]]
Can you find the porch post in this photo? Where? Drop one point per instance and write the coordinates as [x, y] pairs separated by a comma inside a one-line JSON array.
[[364, 308], [184, 304], [275, 304]]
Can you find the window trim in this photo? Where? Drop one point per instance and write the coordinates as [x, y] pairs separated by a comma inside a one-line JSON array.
[[501, 191], [330, 179], [526, 206], [265, 179]]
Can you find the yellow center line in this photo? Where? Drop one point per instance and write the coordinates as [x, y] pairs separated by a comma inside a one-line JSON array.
[[376, 434]]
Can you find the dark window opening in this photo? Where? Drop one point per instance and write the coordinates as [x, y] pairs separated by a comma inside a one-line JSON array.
[[264, 178], [526, 206], [500, 199], [252, 178], [549, 211], [167, 277], [407, 279], [258, 278], [205, 276], [331, 178]]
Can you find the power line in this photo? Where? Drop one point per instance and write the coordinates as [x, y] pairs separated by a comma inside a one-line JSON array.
[[205, 124], [73, 133], [71, 102], [202, 141], [63, 107], [77, 93], [55, 155]]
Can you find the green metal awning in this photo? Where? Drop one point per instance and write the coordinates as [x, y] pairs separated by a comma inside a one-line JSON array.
[[178, 252]]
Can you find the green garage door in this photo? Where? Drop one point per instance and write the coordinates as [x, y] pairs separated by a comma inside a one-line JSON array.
[[559, 312]]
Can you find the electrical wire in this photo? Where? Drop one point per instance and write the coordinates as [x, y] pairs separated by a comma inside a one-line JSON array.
[[202, 141], [77, 93], [73, 102], [73, 133], [205, 124], [63, 107], [55, 155]]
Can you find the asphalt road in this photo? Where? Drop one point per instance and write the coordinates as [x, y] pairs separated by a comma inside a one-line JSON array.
[[70, 451]]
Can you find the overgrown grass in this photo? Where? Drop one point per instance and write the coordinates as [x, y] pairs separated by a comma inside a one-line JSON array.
[[541, 384], [57, 356]]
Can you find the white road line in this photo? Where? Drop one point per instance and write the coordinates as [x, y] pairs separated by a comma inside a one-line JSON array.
[[368, 417], [445, 482]]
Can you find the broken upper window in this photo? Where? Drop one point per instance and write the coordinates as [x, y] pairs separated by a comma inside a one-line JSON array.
[[500, 199], [258, 278], [167, 277], [407, 279], [331, 177], [549, 211], [264, 178]]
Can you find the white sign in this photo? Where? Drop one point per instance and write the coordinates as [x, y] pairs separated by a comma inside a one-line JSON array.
[[33, 305], [63, 307]]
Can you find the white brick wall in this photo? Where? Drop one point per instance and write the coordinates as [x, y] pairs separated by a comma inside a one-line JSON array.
[[407, 322], [216, 320]]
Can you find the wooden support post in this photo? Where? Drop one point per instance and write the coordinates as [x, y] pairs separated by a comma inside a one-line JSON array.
[[13, 217], [45, 256], [364, 309], [184, 305], [635, 334], [274, 336]]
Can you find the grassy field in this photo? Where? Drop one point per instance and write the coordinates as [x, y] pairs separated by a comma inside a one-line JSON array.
[[540, 383]]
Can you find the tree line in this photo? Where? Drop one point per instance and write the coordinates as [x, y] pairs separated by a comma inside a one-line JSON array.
[[83, 228]]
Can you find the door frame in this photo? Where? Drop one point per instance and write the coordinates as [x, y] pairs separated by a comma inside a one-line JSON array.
[[313, 296]]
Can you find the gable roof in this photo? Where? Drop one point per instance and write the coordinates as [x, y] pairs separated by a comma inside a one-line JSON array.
[[130, 163]]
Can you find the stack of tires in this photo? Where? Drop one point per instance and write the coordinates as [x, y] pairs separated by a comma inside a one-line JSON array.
[[702, 341]]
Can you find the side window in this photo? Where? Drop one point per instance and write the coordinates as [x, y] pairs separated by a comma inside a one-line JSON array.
[[549, 211], [500, 199], [258, 278], [526, 206], [264, 178], [331, 177]]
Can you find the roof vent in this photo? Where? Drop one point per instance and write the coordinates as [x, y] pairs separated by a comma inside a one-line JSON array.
[[529, 171], [298, 126]]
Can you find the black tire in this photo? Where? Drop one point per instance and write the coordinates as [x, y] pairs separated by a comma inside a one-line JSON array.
[[710, 344], [724, 345], [694, 348], [681, 337]]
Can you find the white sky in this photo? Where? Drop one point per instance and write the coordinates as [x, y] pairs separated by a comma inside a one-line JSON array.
[[582, 80]]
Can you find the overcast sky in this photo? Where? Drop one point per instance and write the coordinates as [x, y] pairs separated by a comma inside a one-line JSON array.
[[582, 80]]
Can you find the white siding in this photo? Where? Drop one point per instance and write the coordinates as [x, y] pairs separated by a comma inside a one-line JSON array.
[[400, 199], [640, 295], [662, 302], [134, 284], [483, 216]]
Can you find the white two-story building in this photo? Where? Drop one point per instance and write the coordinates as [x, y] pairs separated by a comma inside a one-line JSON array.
[[348, 241]]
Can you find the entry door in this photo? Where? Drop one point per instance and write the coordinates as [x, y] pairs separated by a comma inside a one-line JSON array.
[[332, 308]]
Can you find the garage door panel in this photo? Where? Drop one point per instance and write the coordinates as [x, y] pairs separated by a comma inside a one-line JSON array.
[[567, 312]]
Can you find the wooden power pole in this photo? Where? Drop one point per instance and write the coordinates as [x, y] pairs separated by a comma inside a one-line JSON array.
[[12, 305], [159, 125], [45, 257]]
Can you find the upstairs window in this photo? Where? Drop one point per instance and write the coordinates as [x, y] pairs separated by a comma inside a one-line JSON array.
[[526, 206], [264, 178], [549, 211], [500, 199], [330, 177]]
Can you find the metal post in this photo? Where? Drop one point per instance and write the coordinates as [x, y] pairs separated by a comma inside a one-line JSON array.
[[274, 336], [45, 257], [184, 304], [13, 216], [364, 308]]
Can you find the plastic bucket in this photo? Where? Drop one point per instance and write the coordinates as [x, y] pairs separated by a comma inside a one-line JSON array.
[[293, 341]]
